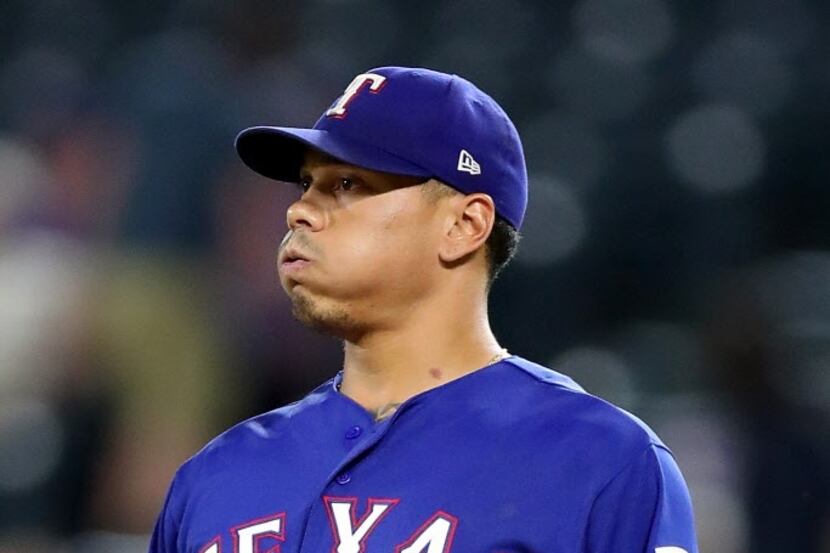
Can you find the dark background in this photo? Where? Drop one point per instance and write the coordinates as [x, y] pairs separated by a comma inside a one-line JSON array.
[[675, 258]]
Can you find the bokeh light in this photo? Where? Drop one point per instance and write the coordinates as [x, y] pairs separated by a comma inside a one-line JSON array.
[[716, 149], [32, 439], [24, 176], [601, 372], [624, 30], [555, 224], [566, 146]]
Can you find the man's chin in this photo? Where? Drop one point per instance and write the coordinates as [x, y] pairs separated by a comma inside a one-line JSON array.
[[331, 320]]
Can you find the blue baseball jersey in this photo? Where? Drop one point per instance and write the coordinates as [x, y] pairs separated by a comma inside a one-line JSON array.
[[513, 457]]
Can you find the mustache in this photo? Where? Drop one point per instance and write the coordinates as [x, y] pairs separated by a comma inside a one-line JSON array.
[[301, 241]]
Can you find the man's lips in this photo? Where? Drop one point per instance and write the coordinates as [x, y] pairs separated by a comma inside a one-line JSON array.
[[292, 267], [292, 260]]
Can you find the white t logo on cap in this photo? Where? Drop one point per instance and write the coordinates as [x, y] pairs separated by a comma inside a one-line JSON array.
[[339, 108], [467, 164]]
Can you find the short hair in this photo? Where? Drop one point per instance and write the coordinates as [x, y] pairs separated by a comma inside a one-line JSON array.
[[500, 246]]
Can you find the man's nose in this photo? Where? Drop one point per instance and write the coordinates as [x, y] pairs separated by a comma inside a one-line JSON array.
[[304, 214]]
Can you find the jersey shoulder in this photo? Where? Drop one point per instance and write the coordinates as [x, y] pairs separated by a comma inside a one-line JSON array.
[[275, 428], [566, 405]]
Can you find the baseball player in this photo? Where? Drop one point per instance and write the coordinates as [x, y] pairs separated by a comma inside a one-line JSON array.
[[432, 438]]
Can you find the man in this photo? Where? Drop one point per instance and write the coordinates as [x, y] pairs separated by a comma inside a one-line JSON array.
[[432, 439]]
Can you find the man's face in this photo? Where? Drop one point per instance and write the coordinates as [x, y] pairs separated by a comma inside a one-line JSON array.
[[361, 247]]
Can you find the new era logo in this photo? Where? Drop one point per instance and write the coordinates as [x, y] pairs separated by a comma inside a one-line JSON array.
[[467, 164]]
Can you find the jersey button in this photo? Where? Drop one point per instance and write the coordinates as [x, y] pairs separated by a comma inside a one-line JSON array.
[[353, 432], [344, 478]]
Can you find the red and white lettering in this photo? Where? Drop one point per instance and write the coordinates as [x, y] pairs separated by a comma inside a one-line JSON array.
[[246, 537], [375, 81], [350, 534], [434, 536], [213, 547]]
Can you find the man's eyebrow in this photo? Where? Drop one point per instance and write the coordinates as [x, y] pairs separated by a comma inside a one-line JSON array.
[[327, 163]]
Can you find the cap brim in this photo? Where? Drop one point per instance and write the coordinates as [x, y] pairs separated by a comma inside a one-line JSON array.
[[277, 152]]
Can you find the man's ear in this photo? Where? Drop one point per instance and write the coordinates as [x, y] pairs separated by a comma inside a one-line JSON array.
[[470, 221]]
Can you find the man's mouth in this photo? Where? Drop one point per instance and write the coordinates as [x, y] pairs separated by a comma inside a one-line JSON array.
[[293, 261], [291, 267]]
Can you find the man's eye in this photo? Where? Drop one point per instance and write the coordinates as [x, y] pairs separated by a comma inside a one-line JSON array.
[[304, 184], [346, 184]]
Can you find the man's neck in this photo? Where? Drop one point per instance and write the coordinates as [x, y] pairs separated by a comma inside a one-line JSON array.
[[387, 367]]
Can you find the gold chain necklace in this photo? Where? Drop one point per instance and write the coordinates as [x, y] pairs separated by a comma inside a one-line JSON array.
[[502, 354]]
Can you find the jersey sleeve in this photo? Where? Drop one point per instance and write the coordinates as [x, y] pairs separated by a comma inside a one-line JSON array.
[[645, 508], [166, 532]]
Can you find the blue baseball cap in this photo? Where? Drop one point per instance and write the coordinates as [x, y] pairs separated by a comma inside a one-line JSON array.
[[407, 121]]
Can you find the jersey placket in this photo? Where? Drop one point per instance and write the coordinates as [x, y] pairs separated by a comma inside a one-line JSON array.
[[316, 534]]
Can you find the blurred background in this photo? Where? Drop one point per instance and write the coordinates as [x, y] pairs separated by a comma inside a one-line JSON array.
[[675, 258]]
